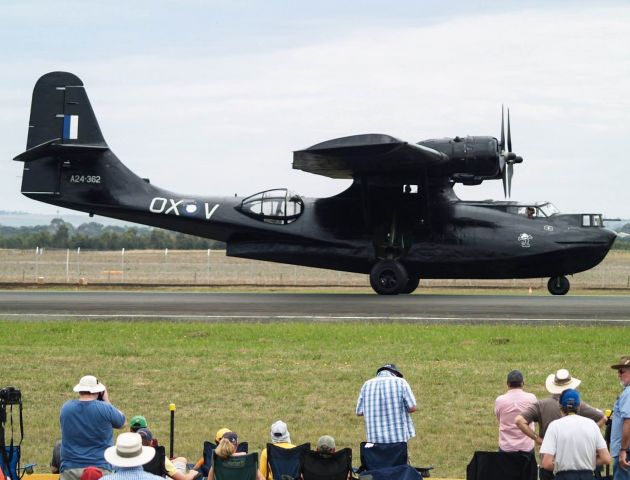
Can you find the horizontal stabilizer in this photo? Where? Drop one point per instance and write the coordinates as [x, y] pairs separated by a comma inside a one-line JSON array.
[[55, 147], [381, 154]]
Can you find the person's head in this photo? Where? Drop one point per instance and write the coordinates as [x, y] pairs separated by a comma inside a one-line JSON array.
[[129, 451], [569, 401], [390, 367], [515, 379], [147, 436], [531, 211], [280, 433], [227, 445], [220, 433], [558, 382], [326, 444], [91, 473], [137, 422], [89, 386], [623, 370]]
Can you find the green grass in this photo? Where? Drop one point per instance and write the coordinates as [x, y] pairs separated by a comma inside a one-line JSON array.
[[245, 376]]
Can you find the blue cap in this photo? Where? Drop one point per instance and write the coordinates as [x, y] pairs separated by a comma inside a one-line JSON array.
[[570, 398]]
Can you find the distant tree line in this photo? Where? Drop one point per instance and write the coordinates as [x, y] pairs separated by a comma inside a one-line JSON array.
[[95, 236]]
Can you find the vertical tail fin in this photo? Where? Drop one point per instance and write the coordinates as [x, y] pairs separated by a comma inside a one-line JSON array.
[[61, 111]]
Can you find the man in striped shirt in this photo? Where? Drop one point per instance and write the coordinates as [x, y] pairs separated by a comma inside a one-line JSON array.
[[386, 402]]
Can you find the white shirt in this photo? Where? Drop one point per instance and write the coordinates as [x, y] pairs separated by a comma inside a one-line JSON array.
[[574, 441]]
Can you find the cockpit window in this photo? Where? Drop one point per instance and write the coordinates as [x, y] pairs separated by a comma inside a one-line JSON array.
[[592, 220], [548, 209], [279, 206]]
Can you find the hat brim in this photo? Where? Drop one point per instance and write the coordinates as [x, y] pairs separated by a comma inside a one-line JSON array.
[[398, 373], [558, 389], [112, 457], [98, 388]]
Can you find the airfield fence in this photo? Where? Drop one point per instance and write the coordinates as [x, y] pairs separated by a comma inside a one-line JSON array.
[[214, 268]]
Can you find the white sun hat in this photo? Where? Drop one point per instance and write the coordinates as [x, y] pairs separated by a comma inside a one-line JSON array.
[[561, 380], [89, 383], [129, 451]]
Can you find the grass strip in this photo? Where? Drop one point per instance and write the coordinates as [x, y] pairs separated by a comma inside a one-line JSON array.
[[245, 376]]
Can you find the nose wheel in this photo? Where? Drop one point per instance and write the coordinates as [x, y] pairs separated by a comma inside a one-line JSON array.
[[388, 277], [558, 285]]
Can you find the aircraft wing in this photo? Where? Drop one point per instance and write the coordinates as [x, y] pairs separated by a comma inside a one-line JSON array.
[[371, 153]]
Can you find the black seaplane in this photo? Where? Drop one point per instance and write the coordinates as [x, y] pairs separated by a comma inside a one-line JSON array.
[[399, 221]]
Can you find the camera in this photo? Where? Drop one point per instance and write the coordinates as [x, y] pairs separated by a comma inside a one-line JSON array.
[[10, 396]]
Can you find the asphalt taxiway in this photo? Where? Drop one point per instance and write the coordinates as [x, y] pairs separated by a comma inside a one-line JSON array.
[[315, 307]]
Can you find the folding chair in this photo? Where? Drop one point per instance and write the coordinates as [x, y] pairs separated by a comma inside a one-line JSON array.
[[502, 466], [284, 463], [333, 466], [399, 472], [156, 464], [241, 467], [375, 456], [208, 450]]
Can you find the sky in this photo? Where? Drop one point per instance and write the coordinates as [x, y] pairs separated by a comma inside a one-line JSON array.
[[212, 97]]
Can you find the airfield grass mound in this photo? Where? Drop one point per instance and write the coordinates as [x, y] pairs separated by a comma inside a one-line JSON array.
[[246, 376]]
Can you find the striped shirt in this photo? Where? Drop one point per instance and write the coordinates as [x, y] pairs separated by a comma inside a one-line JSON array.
[[384, 402], [131, 473]]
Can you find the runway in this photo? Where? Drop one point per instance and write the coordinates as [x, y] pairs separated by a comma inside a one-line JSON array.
[[266, 307]]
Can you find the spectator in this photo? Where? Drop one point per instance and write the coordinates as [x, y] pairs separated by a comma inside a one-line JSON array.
[[200, 465], [226, 449], [506, 408], [128, 455], [280, 437], [87, 428], [326, 444], [91, 473], [55, 461], [573, 445], [137, 422], [175, 468], [620, 429], [386, 402], [547, 410]]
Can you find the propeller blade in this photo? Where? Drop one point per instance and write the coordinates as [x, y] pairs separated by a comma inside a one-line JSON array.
[[503, 177], [510, 173], [502, 145], [509, 135]]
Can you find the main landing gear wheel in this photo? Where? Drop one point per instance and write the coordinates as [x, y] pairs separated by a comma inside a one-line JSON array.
[[388, 277], [412, 284], [558, 285]]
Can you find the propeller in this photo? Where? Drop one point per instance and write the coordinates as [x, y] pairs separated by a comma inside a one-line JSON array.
[[507, 159]]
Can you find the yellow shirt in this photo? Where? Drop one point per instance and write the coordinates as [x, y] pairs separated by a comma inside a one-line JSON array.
[[263, 459]]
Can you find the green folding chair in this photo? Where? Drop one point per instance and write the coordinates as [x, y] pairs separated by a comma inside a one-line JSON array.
[[239, 467]]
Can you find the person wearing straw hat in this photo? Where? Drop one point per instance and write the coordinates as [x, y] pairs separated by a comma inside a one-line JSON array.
[[620, 428], [546, 410], [128, 456], [87, 425]]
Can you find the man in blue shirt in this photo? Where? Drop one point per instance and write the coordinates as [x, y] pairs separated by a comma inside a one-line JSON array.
[[386, 402], [87, 429], [620, 430]]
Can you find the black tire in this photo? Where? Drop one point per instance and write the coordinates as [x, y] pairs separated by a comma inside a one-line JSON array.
[[388, 277], [411, 286], [558, 285]]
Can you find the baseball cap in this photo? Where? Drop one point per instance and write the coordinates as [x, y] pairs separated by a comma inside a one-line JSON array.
[[146, 434], [570, 398], [279, 432], [220, 433], [138, 422], [392, 368], [231, 436], [325, 444]]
